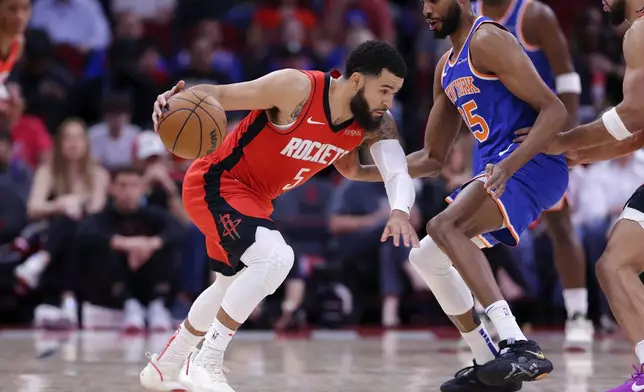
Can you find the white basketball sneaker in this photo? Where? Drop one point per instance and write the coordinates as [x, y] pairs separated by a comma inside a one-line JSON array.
[[161, 377], [579, 333], [205, 372]]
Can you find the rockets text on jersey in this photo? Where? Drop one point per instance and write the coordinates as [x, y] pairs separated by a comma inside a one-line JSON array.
[[268, 159]]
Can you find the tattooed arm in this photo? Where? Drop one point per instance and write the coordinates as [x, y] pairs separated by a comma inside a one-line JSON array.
[[285, 91], [349, 165]]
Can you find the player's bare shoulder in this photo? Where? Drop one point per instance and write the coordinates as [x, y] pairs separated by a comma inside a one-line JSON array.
[[634, 45], [491, 45], [537, 16], [295, 92]]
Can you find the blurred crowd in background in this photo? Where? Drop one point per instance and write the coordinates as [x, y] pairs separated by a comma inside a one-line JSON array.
[[91, 219]]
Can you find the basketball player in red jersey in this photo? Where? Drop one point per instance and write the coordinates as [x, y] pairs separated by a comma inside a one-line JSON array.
[[536, 26], [621, 264], [300, 123], [14, 17]]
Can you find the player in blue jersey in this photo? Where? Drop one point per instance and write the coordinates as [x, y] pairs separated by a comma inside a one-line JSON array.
[[621, 264], [489, 82], [536, 27]]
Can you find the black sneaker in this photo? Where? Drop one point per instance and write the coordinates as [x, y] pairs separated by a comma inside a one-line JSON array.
[[522, 361], [467, 380]]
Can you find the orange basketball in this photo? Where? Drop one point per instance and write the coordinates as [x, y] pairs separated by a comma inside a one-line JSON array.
[[193, 124]]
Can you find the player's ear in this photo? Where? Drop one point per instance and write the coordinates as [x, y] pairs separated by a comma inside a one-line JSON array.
[[356, 80]]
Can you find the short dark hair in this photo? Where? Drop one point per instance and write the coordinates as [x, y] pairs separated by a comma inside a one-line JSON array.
[[117, 103], [371, 57], [124, 170]]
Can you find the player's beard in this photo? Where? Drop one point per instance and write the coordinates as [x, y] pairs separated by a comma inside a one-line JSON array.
[[618, 12], [362, 113], [450, 23]]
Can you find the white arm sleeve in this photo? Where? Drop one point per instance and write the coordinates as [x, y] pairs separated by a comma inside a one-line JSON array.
[[392, 164]]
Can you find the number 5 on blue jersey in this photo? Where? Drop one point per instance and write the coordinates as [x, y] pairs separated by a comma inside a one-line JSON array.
[[477, 124]]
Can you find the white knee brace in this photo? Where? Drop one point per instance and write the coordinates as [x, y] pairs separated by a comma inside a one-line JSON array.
[[272, 255], [436, 269]]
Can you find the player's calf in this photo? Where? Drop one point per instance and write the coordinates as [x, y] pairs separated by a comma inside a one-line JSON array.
[[162, 371], [269, 260]]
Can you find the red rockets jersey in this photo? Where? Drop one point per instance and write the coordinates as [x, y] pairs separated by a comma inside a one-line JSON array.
[[269, 160]]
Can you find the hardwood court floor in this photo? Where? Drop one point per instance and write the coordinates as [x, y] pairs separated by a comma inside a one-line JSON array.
[[35, 361]]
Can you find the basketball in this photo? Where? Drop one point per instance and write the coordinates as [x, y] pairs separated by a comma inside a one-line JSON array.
[[193, 124]]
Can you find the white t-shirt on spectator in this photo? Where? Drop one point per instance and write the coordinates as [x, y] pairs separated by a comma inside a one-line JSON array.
[[79, 23], [145, 9], [110, 152]]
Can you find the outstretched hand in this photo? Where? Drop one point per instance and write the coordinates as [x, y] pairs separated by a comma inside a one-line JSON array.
[[555, 147], [397, 226], [160, 105]]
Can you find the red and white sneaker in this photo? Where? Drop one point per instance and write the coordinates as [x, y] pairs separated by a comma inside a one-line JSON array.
[[161, 377], [205, 372]]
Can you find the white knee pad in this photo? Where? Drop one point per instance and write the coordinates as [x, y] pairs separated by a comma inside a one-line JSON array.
[[272, 255], [436, 269]]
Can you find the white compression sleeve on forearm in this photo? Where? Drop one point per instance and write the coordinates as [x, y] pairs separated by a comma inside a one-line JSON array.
[[392, 164]]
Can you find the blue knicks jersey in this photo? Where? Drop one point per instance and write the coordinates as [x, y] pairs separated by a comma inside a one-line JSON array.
[[513, 21], [490, 110]]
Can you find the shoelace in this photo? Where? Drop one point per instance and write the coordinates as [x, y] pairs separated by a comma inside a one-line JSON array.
[[638, 373], [213, 362], [507, 348], [466, 370]]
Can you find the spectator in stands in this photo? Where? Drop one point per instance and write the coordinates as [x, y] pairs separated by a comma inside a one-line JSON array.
[[78, 23], [199, 68], [14, 173], [15, 180], [129, 253], [301, 216], [159, 11], [128, 25], [112, 141], [161, 190], [222, 61], [123, 77], [31, 142], [45, 83], [359, 212], [65, 190], [376, 12]]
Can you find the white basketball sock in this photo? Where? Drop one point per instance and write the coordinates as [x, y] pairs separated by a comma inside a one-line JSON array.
[[639, 351], [218, 336], [504, 321], [576, 301], [483, 348], [179, 347]]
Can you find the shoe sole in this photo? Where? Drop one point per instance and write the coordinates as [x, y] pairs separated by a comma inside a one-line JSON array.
[[495, 373]]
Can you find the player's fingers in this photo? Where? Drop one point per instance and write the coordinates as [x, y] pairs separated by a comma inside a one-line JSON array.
[[491, 181], [498, 191], [522, 131], [385, 234], [407, 238], [162, 100], [519, 139], [415, 242], [396, 232], [180, 85]]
